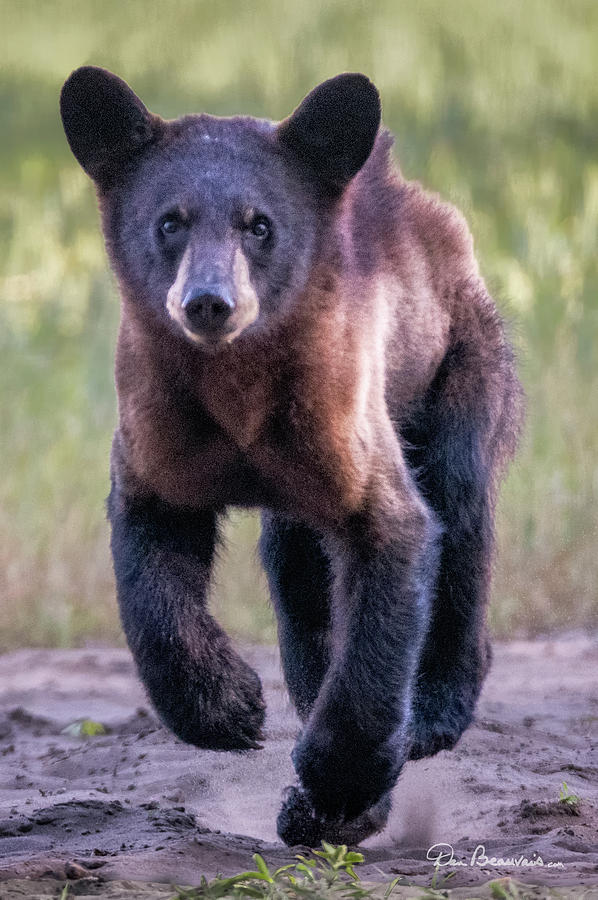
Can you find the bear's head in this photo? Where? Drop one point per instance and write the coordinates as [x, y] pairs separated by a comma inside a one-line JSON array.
[[212, 224]]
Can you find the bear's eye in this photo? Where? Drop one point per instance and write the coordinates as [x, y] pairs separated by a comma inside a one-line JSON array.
[[260, 228], [170, 224]]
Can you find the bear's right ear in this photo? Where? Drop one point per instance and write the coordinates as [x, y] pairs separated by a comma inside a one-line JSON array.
[[333, 130], [106, 124]]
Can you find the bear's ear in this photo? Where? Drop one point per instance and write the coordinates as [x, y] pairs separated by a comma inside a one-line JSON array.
[[333, 130], [106, 124]]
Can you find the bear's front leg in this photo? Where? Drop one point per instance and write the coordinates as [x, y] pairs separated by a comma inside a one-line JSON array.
[[203, 691], [357, 737]]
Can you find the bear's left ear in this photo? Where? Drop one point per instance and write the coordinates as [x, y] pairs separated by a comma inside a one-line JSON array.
[[106, 124], [333, 130]]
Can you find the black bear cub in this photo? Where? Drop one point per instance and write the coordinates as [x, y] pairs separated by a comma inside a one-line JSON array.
[[305, 332]]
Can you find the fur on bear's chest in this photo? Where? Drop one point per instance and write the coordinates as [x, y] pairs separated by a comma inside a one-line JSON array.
[[199, 454], [259, 425]]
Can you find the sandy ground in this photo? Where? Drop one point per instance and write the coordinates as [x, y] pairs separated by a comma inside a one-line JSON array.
[[137, 805]]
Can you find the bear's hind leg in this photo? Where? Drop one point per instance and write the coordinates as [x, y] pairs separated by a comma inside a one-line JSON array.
[[467, 430], [456, 653], [299, 579]]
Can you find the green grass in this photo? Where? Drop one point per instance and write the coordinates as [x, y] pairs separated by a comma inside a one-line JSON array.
[[493, 105], [330, 874]]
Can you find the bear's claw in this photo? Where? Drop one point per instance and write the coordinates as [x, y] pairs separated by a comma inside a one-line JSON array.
[[297, 823]]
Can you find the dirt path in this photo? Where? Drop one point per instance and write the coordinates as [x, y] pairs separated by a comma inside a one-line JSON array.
[[137, 804]]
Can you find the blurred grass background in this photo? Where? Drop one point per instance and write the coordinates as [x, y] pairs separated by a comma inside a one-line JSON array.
[[493, 105]]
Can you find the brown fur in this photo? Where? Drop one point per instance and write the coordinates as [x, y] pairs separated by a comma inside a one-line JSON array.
[[305, 408]]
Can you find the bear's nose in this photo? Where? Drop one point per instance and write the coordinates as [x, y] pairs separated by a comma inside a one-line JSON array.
[[206, 310]]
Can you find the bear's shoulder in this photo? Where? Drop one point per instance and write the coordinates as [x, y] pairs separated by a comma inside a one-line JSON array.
[[416, 228], [441, 231]]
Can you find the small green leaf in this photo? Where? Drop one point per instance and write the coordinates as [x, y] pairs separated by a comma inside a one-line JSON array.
[[278, 871], [307, 862], [262, 867], [391, 886], [84, 728]]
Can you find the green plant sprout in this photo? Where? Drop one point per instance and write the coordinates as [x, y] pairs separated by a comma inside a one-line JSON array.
[[84, 728], [566, 796]]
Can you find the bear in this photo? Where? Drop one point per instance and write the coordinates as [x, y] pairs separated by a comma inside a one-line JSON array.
[[304, 332]]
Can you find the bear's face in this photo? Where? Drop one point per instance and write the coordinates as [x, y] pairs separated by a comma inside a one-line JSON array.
[[213, 231], [212, 225]]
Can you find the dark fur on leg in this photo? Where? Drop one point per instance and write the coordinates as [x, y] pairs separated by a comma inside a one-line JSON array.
[[299, 579], [300, 582], [200, 687], [356, 739], [466, 432]]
